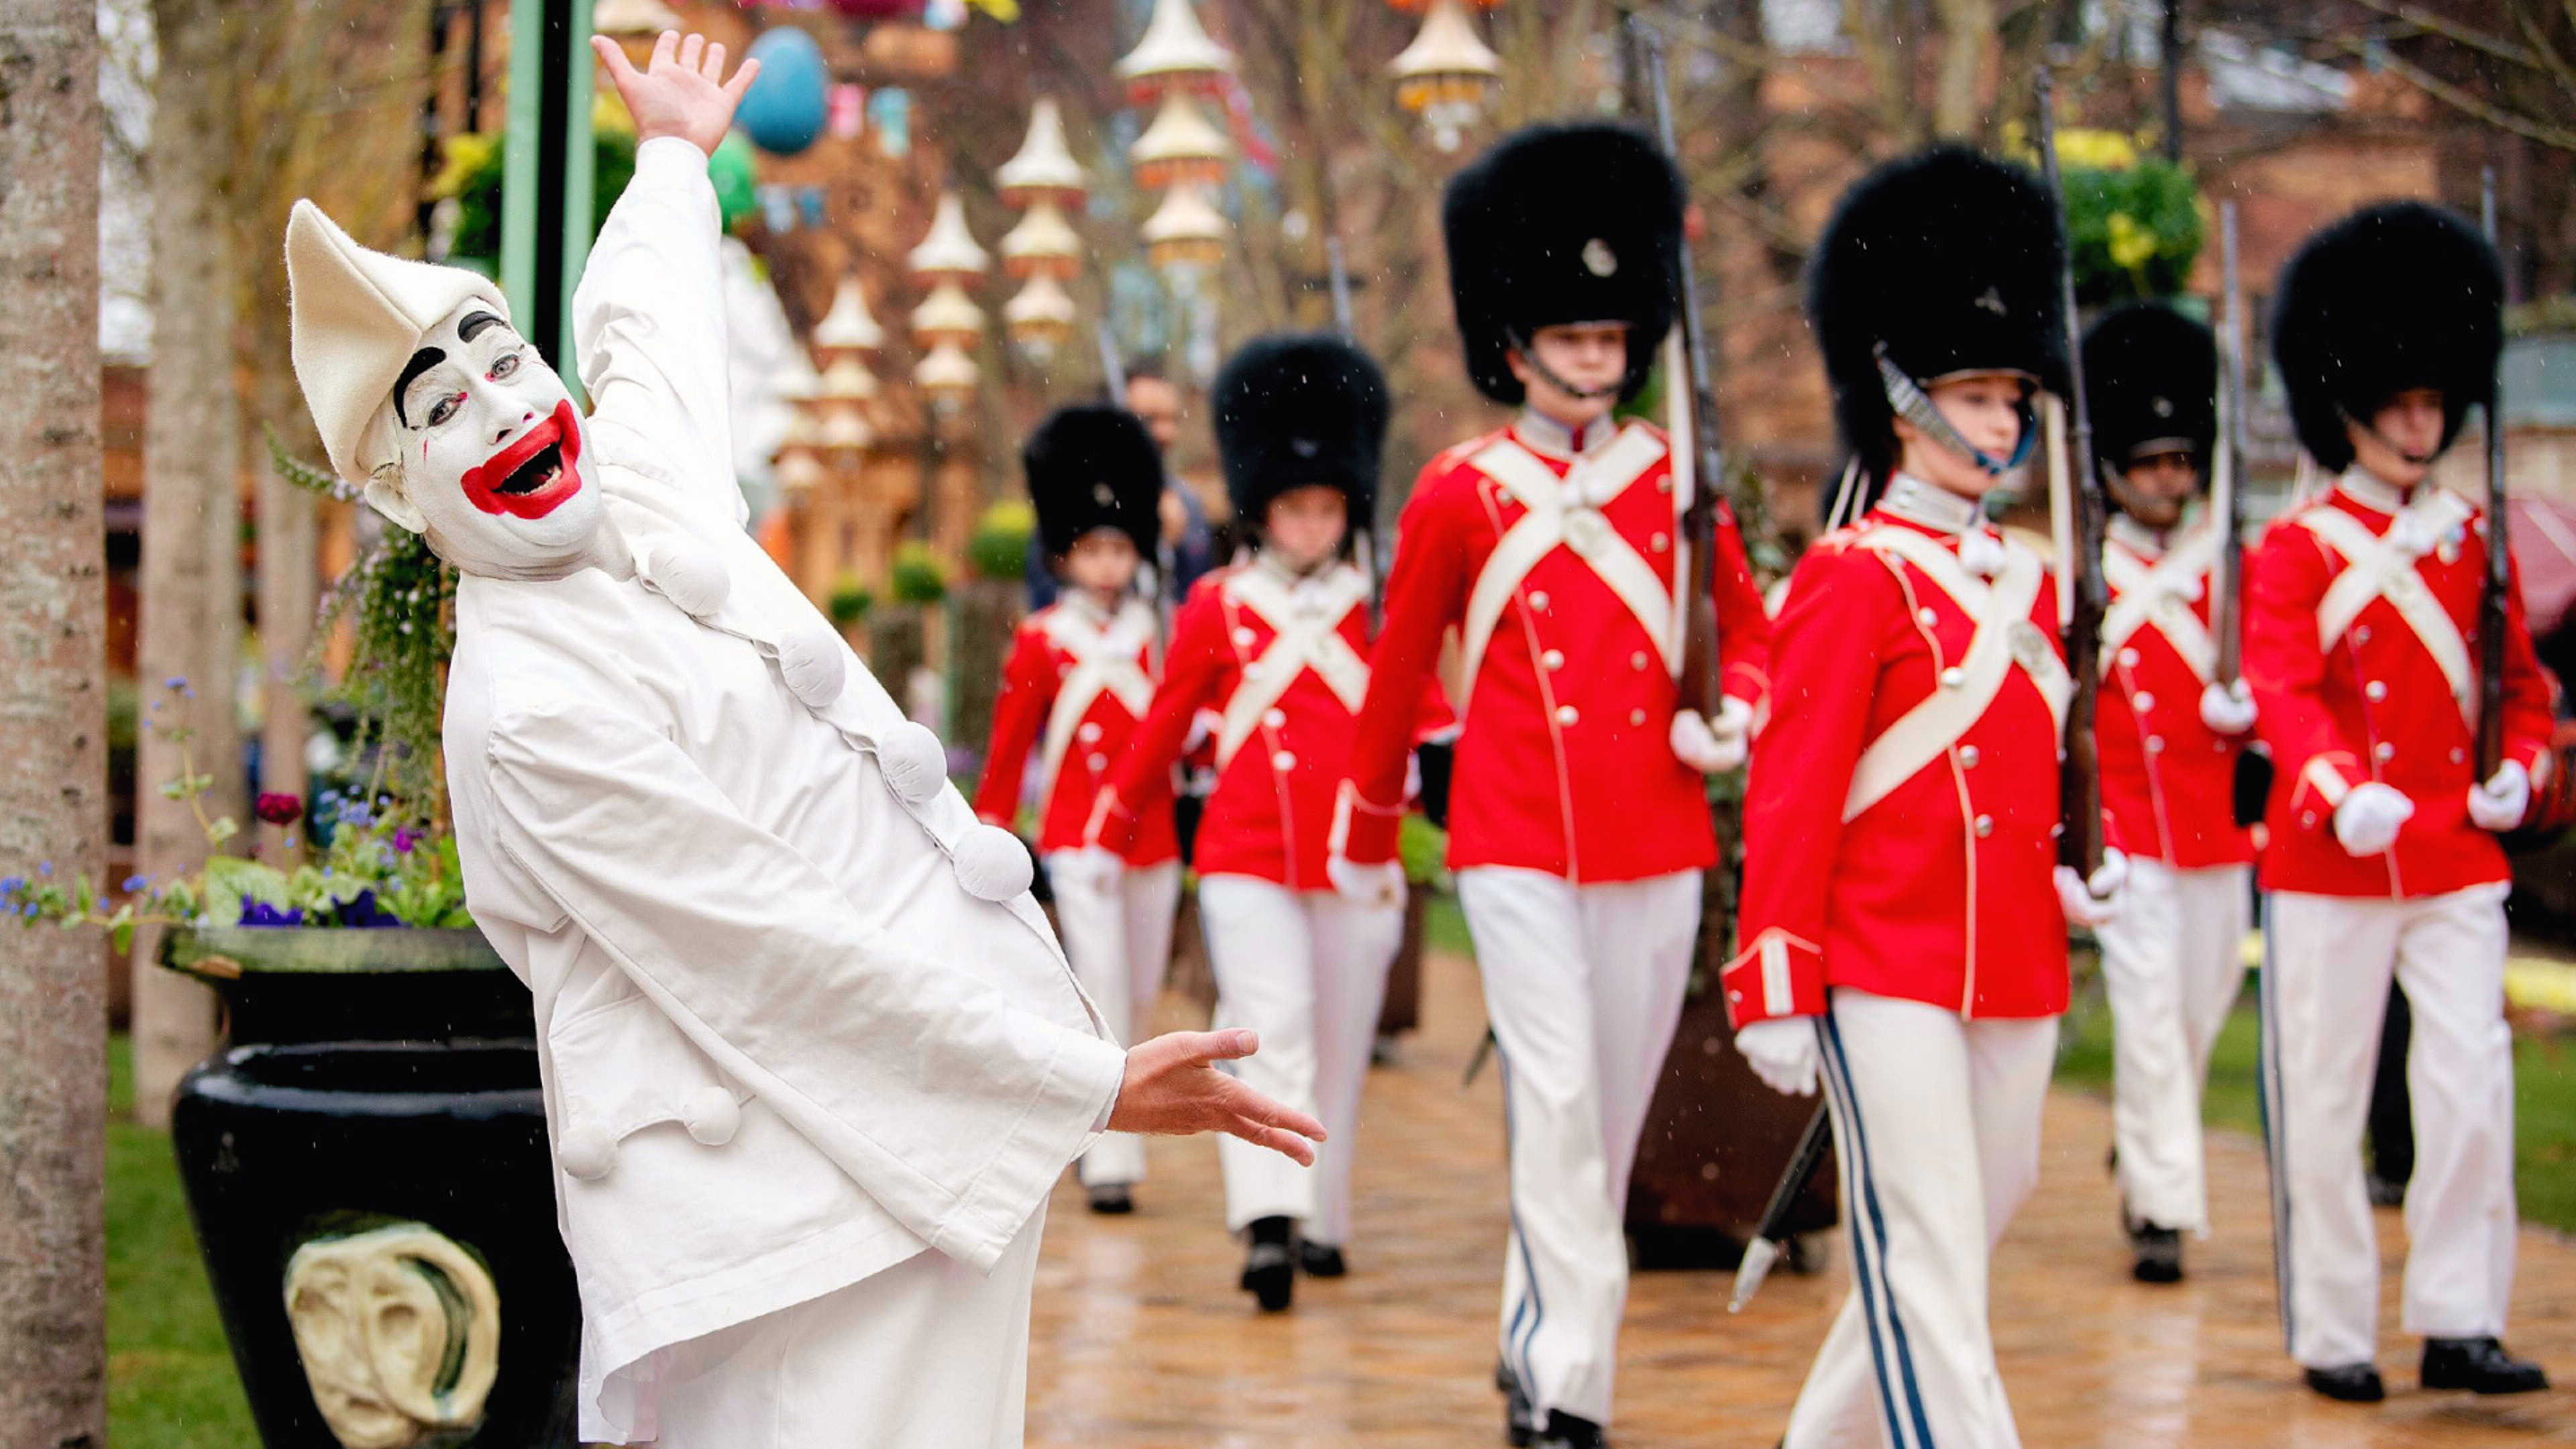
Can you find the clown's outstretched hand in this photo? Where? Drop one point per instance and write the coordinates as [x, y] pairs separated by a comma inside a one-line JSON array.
[[681, 91], [1174, 1089]]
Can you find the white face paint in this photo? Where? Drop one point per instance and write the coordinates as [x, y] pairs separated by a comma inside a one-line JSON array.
[[491, 461]]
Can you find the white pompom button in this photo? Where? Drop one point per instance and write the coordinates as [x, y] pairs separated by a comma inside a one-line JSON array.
[[915, 763], [691, 577], [992, 864], [812, 663], [713, 1116], [585, 1149]]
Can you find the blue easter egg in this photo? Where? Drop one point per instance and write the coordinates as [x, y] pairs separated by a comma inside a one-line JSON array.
[[784, 109]]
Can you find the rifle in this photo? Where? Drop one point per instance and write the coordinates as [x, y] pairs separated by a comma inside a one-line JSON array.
[[2085, 595], [1339, 275], [1764, 1250], [1699, 470], [2227, 485], [2499, 573]]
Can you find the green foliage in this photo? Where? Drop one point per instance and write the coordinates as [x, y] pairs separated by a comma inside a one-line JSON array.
[[920, 574], [2135, 231], [471, 174], [999, 549], [849, 602], [1423, 847]]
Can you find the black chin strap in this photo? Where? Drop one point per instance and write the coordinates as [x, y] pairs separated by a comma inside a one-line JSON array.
[[1521, 345], [2419, 460], [1908, 400]]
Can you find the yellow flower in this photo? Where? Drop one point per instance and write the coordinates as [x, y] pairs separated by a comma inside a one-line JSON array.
[[2097, 149], [460, 157], [2132, 245]]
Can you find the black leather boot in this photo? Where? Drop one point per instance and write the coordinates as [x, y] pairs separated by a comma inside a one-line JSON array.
[[1270, 1268], [1520, 1421], [1571, 1431], [2159, 1253], [2353, 1383], [2479, 1365]]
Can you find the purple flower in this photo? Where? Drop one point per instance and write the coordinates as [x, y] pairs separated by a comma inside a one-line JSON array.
[[135, 883], [404, 840], [362, 910], [44, 867], [261, 913], [175, 681]]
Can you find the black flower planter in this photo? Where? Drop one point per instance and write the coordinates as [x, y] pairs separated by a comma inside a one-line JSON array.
[[366, 1166]]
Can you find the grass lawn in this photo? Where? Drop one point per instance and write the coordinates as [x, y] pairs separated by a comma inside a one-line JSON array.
[[2544, 1096], [170, 1381]]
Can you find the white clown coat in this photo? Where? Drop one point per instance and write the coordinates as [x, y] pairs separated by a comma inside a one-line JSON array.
[[788, 1041]]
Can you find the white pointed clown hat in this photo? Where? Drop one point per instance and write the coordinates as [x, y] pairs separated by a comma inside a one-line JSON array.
[[357, 317]]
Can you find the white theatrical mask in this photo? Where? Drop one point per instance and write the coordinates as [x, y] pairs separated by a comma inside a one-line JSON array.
[[487, 453]]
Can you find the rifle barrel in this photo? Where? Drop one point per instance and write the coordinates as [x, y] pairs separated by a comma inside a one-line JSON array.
[[2228, 593], [2499, 575], [2079, 779]]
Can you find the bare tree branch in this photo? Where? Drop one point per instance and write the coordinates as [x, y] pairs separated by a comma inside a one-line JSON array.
[[2557, 137]]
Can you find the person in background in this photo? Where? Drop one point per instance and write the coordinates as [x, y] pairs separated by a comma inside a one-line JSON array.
[[1080, 675]]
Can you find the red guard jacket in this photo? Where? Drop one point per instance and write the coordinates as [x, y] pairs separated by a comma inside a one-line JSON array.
[[1075, 687], [2168, 779], [1901, 810], [1284, 666], [1557, 592], [2361, 646]]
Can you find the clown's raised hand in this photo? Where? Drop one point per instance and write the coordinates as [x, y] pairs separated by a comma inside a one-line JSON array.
[[681, 91]]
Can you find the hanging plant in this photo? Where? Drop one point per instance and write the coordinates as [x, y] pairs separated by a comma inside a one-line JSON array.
[[2135, 222], [999, 549], [920, 575]]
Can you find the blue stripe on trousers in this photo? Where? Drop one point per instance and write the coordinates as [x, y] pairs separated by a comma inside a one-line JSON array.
[[1869, 1258]]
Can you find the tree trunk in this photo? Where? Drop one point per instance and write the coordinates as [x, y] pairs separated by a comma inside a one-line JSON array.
[[1968, 46], [191, 606], [53, 728], [287, 597]]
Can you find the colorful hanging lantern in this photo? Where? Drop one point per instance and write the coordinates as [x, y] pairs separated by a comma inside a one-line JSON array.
[[1184, 230], [949, 253], [1044, 244], [847, 380], [848, 326], [1044, 170], [947, 378], [1448, 74], [633, 17], [798, 473], [1175, 54], [845, 430], [947, 318], [1179, 147], [1040, 319]]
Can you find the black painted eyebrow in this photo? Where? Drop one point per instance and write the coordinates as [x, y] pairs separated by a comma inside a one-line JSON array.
[[421, 361], [475, 322]]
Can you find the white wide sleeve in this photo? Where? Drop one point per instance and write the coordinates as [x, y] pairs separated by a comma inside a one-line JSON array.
[[648, 326], [945, 1102]]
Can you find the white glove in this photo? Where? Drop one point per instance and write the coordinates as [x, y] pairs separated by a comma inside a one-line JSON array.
[[2099, 900], [2227, 709], [1366, 885], [1088, 868], [2502, 801], [1713, 749], [2367, 820], [1782, 1052]]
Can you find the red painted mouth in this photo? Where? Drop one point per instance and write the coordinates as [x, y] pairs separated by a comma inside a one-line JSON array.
[[535, 474]]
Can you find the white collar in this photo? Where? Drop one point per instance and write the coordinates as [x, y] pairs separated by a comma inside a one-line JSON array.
[[1080, 603], [1549, 438], [2147, 543], [2373, 492], [1930, 506]]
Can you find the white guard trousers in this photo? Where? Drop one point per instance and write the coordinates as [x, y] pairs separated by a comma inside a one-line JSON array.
[[1306, 970], [1120, 943], [928, 1354], [2325, 993], [1584, 986], [2173, 963], [1936, 1126]]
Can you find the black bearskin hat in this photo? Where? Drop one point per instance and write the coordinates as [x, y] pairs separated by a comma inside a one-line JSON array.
[[1094, 467], [2396, 296], [1292, 410], [2151, 377], [1949, 259], [1557, 224]]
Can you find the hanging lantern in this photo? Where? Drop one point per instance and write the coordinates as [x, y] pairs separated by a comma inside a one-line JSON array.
[[1175, 54], [949, 253], [845, 430], [633, 17], [803, 432], [798, 473], [1448, 74], [947, 318], [847, 380], [848, 325], [1179, 147], [947, 378], [1044, 244], [1040, 319], [1044, 170], [1184, 230]]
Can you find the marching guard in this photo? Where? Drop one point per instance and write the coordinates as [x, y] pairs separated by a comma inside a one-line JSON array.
[[1278, 648], [1079, 678], [1549, 551], [2362, 609], [2169, 736], [1901, 896]]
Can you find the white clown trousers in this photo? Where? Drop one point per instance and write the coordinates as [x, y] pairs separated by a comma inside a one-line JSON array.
[[1584, 986], [928, 1354], [1307, 971], [2173, 962], [1936, 1127], [1119, 939], [2325, 992]]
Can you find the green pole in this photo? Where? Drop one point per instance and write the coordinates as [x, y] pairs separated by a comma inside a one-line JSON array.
[[547, 166]]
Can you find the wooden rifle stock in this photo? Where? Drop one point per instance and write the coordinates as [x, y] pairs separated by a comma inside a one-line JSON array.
[[2080, 777], [1694, 441]]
